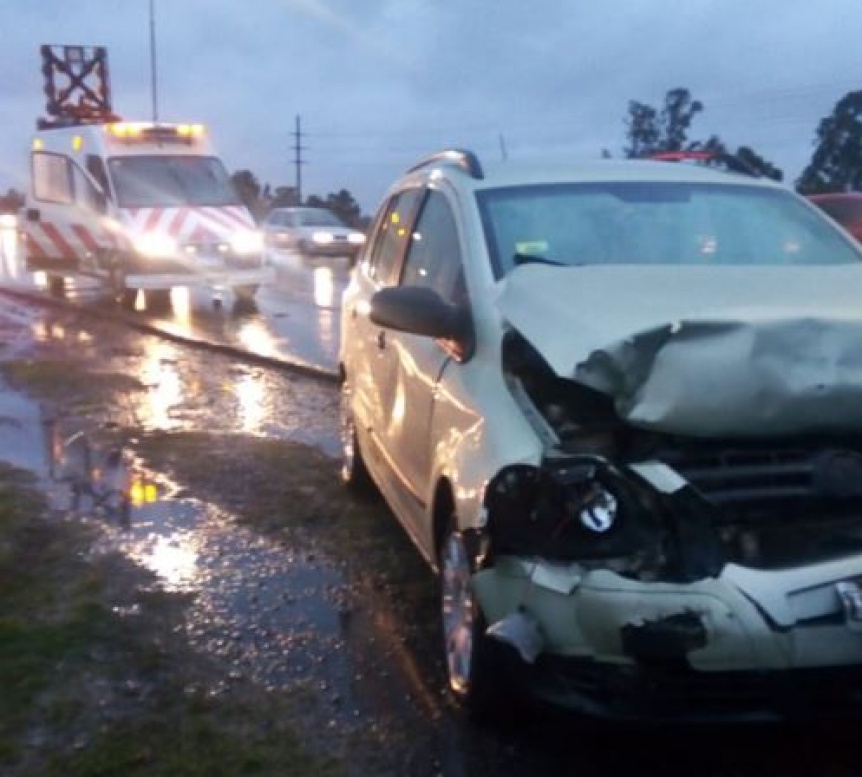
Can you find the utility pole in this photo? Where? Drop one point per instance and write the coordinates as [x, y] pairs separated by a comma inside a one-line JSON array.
[[298, 161], [153, 80], [504, 153]]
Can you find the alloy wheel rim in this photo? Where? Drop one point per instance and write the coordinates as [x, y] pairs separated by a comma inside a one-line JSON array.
[[458, 613]]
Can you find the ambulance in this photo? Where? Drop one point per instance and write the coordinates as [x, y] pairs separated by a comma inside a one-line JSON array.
[[142, 206], [139, 205]]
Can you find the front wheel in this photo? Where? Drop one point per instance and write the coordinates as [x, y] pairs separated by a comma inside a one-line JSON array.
[[469, 665], [158, 300], [57, 286], [122, 294]]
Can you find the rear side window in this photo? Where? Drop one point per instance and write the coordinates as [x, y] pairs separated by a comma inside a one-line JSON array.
[[52, 178], [392, 236]]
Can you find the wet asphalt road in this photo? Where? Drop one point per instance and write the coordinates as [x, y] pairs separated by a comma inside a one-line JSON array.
[[287, 615], [296, 319]]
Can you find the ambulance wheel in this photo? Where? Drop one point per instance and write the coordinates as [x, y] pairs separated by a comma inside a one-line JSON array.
[[57, 286], [158, 299], [126, 298], [123, 296]]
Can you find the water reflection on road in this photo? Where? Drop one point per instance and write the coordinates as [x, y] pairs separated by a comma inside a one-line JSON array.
[[297, 318], [274, 613]]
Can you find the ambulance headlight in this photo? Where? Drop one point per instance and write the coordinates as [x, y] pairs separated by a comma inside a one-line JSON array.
[[247, 242], [155, 244], [322, 238]]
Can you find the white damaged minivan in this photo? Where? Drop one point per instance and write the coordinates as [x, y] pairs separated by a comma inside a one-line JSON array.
[[618, 407]]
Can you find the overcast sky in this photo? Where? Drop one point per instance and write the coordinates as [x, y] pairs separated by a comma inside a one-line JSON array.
[[379, 83]]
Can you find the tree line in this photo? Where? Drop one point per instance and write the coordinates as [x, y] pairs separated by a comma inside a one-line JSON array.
[[835, 165], [262, 199]]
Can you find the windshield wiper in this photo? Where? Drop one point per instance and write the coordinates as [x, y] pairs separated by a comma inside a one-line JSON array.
[[520, 259]]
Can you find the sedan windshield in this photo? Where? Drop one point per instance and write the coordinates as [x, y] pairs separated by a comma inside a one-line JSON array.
[[171, 181], [656, 223]]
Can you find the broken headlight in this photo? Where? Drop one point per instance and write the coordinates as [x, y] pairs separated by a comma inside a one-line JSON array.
[[578, 508]]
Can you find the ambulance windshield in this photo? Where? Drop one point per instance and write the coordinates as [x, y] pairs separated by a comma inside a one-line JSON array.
[[171, 181]]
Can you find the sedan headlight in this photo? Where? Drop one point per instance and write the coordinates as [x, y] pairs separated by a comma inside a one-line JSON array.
[[155, 244], [247, 242], [357, 238], [322, 238]]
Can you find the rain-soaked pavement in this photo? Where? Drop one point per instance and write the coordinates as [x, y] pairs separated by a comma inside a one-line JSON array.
[[294, 617], [295, 319]]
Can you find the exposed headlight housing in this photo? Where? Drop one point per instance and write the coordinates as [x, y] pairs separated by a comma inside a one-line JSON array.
[[155, 245], [322, 238], [598, 511], [247, 242], [357, 238]]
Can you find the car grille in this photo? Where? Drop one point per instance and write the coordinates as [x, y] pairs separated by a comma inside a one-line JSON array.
[[213, 248], [220, 250], [730, 475], [749, 482]]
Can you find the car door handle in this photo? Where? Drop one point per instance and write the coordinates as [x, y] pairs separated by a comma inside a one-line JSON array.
[[381, 339]]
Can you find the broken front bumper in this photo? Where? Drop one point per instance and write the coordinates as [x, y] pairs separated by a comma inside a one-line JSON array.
[[748, 643]]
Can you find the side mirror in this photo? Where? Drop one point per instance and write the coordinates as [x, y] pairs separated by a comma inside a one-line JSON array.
[[419, 311]]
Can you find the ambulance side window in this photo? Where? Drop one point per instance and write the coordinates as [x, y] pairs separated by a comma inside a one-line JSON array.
[[52, 178]]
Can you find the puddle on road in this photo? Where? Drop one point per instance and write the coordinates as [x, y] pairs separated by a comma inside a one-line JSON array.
[[274, 614], [193, 390]]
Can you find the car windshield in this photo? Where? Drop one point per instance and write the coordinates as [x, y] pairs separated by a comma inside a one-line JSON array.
[[656, 223], [171, 181], [318, 218]]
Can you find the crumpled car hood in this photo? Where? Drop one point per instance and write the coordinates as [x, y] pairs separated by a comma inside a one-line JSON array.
[[704, 351]]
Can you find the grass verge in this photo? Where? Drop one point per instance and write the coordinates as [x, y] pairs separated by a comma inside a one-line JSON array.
[[95, 674]]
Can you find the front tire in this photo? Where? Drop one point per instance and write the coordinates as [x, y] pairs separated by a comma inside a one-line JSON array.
[[122, 294], [354, 473], [470, 668], [158, 300], [57, 286]]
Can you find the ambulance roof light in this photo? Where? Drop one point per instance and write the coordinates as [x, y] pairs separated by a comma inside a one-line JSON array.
[[160, 133]]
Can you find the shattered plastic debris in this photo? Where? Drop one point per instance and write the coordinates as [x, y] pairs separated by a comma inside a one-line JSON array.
[[521, 631]]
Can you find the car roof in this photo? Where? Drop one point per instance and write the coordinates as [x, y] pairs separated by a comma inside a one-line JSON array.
[[517, 173]]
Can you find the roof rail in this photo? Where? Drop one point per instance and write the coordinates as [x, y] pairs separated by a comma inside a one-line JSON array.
[[459, 157]]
